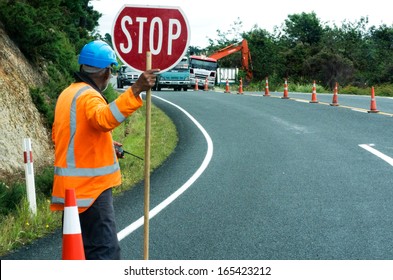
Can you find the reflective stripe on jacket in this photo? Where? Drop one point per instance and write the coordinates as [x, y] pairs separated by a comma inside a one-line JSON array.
[[85, 158]]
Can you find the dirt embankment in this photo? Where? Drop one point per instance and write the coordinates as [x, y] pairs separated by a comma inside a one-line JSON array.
[[19, 117]]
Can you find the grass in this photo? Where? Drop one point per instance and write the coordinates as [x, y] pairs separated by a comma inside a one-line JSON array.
[[131, 134], [19, 227]]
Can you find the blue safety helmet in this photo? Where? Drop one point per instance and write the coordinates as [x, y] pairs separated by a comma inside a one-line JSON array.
[[97, 54]]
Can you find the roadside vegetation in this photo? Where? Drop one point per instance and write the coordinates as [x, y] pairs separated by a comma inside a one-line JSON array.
[[354, 54]]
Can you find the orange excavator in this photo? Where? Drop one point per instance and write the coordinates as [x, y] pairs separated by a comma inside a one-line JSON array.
[[246, 56]]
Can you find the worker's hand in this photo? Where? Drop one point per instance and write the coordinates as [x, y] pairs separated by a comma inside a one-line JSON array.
[[145, 82], [118, 149], [117, 143]]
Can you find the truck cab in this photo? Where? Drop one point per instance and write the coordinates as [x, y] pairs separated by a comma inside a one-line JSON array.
[[202, 69], [127, 76], [177, 78]]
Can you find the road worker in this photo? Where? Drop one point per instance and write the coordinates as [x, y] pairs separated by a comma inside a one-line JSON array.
[[85, 158]]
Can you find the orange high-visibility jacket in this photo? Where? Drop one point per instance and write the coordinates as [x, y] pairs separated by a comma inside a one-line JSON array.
[[85, 158]]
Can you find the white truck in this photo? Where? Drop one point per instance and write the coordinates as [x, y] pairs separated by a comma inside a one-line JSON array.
[[202, 69]]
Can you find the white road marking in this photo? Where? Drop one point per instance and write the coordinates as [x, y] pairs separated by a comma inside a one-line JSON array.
[[209, 154], [359, 110], [302, 100], [377, 153]]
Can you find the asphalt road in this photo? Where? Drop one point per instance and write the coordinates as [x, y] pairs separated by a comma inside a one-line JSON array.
[[285, 180]]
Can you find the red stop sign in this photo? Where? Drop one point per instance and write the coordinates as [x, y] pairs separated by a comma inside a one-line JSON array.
[[164, 31]]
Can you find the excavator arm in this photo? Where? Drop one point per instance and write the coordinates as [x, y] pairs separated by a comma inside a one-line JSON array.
[[246, 56]]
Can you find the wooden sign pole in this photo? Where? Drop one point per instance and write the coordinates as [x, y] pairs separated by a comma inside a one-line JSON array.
[[147, 165]]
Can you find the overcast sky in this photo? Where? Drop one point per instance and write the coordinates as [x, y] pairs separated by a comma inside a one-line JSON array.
[[206, 16]]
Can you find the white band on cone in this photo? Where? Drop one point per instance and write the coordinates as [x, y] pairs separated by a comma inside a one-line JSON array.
[[71, 221]]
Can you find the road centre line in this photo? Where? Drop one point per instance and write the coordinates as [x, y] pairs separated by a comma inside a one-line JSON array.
[[359, 110], [301, 100], [377, 153], [153, 212]]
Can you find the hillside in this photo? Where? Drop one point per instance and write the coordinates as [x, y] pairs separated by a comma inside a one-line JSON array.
[[19, 117]]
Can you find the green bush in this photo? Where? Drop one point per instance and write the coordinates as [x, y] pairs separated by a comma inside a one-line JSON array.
[[307, 88], [44, 181], [384, 90], [10, 196], [350, 89], [380, 90]]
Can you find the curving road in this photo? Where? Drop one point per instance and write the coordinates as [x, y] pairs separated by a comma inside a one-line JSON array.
[[280, 179]]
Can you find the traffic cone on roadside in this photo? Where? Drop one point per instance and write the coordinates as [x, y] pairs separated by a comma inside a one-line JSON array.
[[72, 235], [335, 96], [227, 87], [285, 96], [267, 87], [196, 85], [373, 105], [314, 94], [206, 87], [240, 86]]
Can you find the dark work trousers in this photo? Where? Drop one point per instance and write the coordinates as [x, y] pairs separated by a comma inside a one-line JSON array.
[[99, 229]]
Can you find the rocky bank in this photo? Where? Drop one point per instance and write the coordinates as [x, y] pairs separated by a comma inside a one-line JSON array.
[[19, 117]]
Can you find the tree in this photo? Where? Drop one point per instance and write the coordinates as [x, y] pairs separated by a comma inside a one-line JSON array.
[[231, 36], [351, 42], [195, 50], [42, 27], [224, 39], [381, 59], [329, 67], [303, 28], [298, 40], [265, 58]]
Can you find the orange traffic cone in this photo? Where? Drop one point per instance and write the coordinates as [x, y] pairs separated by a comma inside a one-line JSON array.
[[72, 237], [285, 96], [335, 96], [373, 105], [206, 87], [314, 94], [196, 85], [227, 87], [240, 86], [267, 88]]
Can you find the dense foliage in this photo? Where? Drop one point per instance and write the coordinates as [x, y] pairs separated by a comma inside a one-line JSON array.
[[304, 49], [49, 29], [50, 33]]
